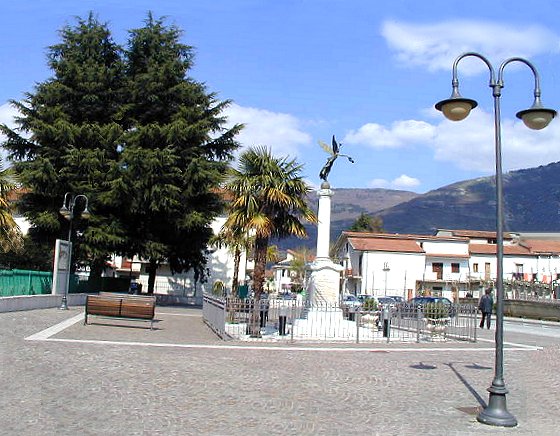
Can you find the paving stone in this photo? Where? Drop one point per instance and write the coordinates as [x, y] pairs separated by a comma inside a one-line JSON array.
[[98, 388]]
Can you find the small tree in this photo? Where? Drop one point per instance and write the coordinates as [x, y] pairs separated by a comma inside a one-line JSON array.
[[365, 223]]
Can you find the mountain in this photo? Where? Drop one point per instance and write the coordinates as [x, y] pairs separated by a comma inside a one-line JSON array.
[[531, 203], [346, 205]]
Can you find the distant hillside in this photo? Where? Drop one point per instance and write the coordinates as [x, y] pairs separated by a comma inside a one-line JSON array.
[[347, 204], [531, 203]]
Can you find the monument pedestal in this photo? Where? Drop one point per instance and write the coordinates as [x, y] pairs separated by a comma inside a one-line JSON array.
[[324, 282]]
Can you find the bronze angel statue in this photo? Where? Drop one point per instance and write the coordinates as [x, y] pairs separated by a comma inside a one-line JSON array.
[[334, 152]]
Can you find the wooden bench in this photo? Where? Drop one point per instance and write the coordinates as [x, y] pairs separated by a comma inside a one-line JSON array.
[[121, 306]]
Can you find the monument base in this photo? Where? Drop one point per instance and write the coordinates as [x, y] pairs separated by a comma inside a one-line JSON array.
[[327, 323], [324, 282]]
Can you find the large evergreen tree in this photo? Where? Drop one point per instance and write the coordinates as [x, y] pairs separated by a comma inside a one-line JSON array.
[[68, 137], [130, 130], [176, 152]]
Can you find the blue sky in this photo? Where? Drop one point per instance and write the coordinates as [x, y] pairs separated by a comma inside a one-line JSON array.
[[299, 71]]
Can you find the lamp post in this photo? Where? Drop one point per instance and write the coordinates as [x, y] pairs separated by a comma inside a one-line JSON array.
[[68, 211], [386, 269], [537, 117]]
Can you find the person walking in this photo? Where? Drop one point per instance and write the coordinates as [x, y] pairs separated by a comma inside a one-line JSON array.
[[485, 305]]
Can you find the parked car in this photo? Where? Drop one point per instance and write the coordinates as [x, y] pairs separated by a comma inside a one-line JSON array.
[[287, 296], [364, 297], [386, 302], [429, 299], [425, 300], [397, 298], [351, 302]]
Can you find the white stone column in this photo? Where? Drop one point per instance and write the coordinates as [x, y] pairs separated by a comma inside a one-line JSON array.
[[324, 275], [324, 221]]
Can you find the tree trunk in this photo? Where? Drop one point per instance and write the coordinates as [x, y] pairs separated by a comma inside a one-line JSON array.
[[152, 269], [236, 262], [94, 279], [261, 245]]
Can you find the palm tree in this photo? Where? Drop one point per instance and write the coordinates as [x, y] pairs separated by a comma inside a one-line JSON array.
[[10, 235], [269, 201], [237, 241]]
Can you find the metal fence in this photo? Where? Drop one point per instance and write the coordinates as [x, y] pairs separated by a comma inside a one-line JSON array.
[[279, 320]]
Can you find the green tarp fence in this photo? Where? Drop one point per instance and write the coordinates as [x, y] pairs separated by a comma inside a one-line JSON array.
[[23, 282]]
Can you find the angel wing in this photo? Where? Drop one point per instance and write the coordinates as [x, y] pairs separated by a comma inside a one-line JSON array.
[[325, 147], [335, 147]]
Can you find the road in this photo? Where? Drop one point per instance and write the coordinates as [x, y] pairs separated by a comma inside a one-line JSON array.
[[525, 332]]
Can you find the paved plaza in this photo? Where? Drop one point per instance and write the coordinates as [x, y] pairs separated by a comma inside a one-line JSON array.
[[59, 377]]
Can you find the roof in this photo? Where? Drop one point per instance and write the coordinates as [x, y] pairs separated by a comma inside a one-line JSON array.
[[512, 250], [475, 234], [385, 244], [542, 246], [402, 236]]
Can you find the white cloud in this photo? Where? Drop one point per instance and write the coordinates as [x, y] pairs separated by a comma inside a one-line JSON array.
[[401, 182], [404, 181], [279, 131], [468, 144], [435, 46], [399, 134], [7, 114]]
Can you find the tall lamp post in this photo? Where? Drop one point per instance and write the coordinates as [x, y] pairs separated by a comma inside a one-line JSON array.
[[456, 108], [386, 269], [68, 211]]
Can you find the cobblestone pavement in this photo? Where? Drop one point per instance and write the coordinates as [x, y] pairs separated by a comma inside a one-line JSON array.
[[120, 378]]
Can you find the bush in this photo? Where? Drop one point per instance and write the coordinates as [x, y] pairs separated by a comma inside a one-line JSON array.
[[370, 304], [436, 310]]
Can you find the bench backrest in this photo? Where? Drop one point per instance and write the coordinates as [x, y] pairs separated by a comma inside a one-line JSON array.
[[127, 306]]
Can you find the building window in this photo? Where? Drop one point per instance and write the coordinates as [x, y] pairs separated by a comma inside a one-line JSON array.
[[518, 275], [454, 267], [475, 267], [438, 269]]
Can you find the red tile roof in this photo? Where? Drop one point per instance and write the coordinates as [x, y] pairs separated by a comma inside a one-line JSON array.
[[517, 250], [385, 244], [542, 246], [477, 234]]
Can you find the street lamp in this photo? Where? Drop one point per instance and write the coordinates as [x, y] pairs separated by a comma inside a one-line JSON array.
[[386, 269], [68, 211], [536, 117]]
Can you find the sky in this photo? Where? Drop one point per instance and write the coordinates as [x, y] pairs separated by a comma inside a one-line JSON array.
[[369, 72]]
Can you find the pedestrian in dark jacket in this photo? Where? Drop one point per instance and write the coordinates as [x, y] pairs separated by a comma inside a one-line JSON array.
[[485, 305]]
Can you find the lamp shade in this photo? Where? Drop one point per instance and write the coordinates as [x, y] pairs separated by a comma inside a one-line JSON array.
[[456, 109], [85, 214], [65, 212], [536, 118]]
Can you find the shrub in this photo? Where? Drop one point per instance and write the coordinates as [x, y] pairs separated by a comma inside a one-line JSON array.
[[436, 310], [370, 304]]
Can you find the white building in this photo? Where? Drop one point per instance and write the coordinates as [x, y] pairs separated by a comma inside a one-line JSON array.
[[450, 263], [220, 268]]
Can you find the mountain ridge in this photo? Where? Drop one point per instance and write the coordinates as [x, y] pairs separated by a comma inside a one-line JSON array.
[[531, 203]]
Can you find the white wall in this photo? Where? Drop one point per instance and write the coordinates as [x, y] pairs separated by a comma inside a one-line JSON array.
[[445, 247], [388, 273]]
